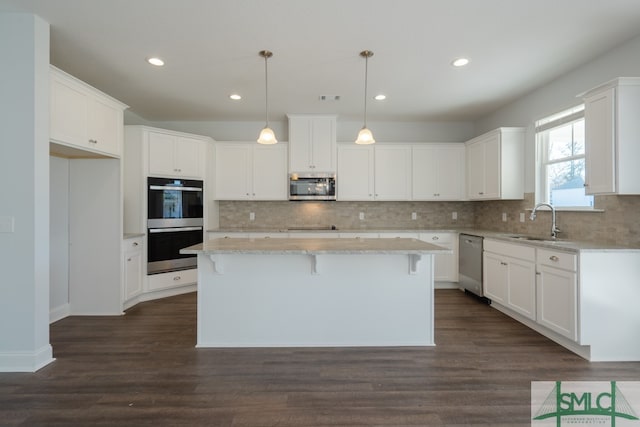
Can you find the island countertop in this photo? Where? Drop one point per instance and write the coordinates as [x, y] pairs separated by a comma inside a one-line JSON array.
[[316, 246]]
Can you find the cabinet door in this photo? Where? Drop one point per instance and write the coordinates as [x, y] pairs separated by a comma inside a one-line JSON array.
[[557, 300], [270, 172], [161, 155], [355, 173], [104, 127], [132, 274], [300, 152], [495, 278], [323, 144], [188, 157], [233, 172], [475, 170], [492, 171], [392, 172], [521, 283], [69, 107], [425, 173], [600, 143]]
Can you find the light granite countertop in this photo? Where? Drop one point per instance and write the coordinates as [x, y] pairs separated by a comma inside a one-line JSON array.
[[310, 246], [575, 246]]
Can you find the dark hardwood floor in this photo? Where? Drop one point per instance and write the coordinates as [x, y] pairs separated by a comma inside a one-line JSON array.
[[142, 369]]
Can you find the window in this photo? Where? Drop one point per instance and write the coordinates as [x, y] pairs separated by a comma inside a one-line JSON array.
[[560, 160]]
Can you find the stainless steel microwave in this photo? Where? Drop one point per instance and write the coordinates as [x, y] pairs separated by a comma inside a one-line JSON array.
[[313, 186]]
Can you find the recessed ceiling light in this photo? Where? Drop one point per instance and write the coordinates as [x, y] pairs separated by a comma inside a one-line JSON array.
[[460, 62], [235, 97], [380, 97], [155, 61]]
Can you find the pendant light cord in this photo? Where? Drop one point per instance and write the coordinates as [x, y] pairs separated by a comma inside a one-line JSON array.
[[366, 70], [266, 93]]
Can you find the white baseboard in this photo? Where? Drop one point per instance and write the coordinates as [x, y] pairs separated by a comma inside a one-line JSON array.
[[164, 293], [25, 361], [59, 313], [446, 285]]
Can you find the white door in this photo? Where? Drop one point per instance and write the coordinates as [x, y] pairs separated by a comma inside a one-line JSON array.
[[354, 180], [270, 172], [557, 300], [522, 287], [495, 278], [392, 172], [323, 146], [161, 156], [104, 127], [233, 172], [600, 143]]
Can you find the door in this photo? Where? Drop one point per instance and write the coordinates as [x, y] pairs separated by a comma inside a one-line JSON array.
[[233, 173], [355, 173], [557, 300], [600, 143], [161, 155], [496, 276], [187, 157], [522, 287], [392, 172], [270, 172], [104, 126]]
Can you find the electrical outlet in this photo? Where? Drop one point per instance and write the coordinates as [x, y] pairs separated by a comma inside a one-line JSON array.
[[521, 216], [504, 217], [454, 215], [252, 216], [414, 216], [361, 216]]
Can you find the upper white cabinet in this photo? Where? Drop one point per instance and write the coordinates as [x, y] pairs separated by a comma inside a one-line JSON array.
[[175, 155], [312, 143], [495, 165], [248, 171], [380, 172], [83, 118], [612, 137], [438, 172], [392, 171]]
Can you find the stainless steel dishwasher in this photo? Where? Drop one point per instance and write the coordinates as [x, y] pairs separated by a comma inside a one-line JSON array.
[[470, 263]]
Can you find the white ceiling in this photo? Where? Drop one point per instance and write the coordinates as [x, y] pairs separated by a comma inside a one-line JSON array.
[[211, 50]]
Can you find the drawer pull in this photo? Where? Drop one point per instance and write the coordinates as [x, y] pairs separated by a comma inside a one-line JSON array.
[[176, 278], [435, 238], [554, 258], [503, 263], [135, 243]]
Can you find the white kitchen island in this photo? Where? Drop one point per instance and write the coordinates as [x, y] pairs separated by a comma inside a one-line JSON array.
[[299, 292]]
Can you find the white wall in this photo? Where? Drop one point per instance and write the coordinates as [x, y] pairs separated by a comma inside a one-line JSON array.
[[346, 131], [623, 61], [24, 172], [59, 243]]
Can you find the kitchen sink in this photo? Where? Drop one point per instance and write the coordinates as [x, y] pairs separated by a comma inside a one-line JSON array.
[[538, 239]]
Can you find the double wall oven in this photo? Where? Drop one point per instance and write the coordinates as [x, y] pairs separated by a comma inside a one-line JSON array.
[[175, 221]]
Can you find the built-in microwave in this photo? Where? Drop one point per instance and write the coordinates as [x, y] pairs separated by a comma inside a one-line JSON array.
[[313, 186]]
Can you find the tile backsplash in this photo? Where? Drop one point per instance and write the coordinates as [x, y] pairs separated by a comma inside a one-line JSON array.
[[618, 222]]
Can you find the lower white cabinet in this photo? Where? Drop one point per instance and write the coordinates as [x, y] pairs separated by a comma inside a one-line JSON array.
[[445, 265], [132, 264], [157, 282], [510, 276], [557, 285]]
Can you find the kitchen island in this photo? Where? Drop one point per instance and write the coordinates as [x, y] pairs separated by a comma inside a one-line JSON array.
[[299, 292]]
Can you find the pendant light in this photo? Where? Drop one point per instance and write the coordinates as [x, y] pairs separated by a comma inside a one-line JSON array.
[[365, 136], [266, 135]]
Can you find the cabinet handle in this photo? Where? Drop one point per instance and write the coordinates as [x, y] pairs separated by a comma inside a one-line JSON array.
[[135, 243], [554, 258], [128, 259], [176, 278], [481, 192], [503, 263], [435, 238], [93, 141], [538, 273]]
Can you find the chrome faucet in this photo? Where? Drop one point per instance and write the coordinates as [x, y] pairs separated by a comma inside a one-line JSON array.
[[554, 230]]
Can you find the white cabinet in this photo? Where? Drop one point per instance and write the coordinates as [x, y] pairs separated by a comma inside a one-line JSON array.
[[173, 155], [557, 284], [381, 172], [247, 171], [612, 137], [83, 118], [392, 171], [495, 165], [509, 276], [445, 265], [132, 264], [438, 171], [312, 143]]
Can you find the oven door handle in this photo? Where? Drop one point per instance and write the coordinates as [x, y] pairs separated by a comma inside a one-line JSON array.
[[172, 229], [169, 187]]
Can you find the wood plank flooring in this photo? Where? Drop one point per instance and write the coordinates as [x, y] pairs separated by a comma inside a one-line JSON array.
[[142, 369]]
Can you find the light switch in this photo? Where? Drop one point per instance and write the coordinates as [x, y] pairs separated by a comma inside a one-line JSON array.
[[454, 215], [361, 216], [414, 216], [7, 224], [521, 216], [504, 217], [252, 216]]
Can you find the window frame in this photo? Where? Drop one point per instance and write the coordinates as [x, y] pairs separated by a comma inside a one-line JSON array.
[[542, 127]]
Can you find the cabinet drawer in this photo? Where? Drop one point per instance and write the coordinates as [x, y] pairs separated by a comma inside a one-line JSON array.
[[132, 244], [557, 259], [507, 249], [171, 280], [437, 238]]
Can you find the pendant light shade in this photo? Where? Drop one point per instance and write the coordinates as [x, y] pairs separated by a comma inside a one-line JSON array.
[[365, 136], [266, 135]]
